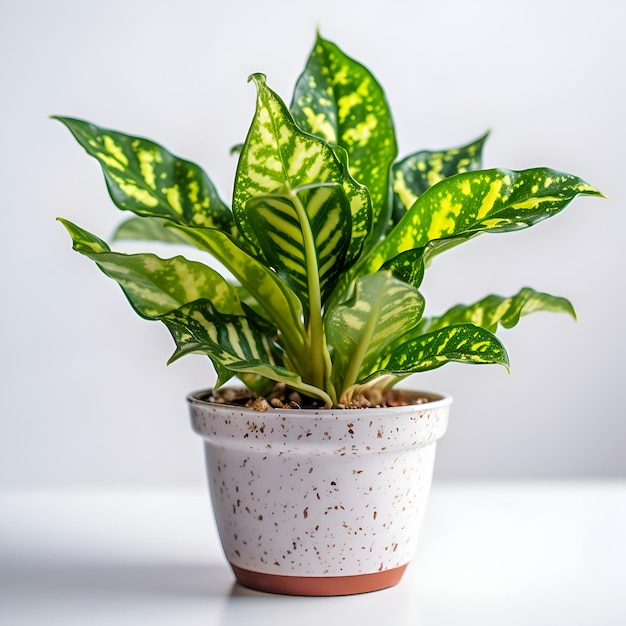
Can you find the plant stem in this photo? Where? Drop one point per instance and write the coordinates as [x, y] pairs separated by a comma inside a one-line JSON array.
[[361, 350], [317, 338], [314, 392]]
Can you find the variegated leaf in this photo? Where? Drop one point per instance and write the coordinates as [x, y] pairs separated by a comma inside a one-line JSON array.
[[235, 345], [280, 305], [143, 177], [155, 286], [360, 208], [464, 343], [483, 201], [147, 229], [414, 174], [304, 236], [381, 310], [198, 327], [408, 266], [339, 100], [493, 310], [278, 157]]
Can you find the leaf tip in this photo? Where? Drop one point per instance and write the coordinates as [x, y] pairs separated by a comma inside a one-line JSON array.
[[582, 187], [503, 356], [258, 78], [60, 118], [318, 36], [481, 140], [589, 190], [64, 222], [173, 358]]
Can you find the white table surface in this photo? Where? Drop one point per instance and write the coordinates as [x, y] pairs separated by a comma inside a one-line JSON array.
[[530, 553]]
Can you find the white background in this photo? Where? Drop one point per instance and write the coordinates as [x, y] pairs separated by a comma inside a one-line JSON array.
[[86, 398]]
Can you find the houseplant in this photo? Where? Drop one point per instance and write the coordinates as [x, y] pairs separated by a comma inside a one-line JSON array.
[[328, 239]]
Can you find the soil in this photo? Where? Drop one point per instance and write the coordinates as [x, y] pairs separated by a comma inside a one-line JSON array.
[[283, 398]]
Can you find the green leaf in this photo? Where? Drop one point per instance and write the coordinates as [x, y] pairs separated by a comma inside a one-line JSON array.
[[360, 208], [414, 174], [338, 99], [493, 310], [381, 310], [278, 157], [155, 286], [280, 305], [235, 345], [483, 201], [328, 239], [198, 327], [147, 229], [408, 266], [304, 236], [464, 343], [143, 177], [84, 241]]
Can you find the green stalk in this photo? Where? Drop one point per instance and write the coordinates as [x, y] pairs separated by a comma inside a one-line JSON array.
[[361, 349], [317, 339], [314, 392]]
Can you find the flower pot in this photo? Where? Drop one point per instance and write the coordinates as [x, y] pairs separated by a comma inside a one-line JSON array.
[[319, 502]]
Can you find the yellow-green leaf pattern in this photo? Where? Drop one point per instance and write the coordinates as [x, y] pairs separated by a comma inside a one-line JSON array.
[[304, 236], [235, 345], [381, 309], [198, 327], [143, 177], [280, 304], [414, 174], [506, 311], [155, 286], [327, 242], [464, 343], [278, 157], [408, 266], [339, 100], [360, 209], [494, 200]]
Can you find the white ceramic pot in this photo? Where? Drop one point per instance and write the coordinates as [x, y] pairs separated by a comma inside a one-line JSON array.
[[319, 502]]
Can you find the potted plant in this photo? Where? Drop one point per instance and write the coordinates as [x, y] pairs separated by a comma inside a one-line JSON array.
[[320, 467]]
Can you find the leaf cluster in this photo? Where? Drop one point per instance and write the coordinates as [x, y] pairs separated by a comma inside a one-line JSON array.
[[328, 238]]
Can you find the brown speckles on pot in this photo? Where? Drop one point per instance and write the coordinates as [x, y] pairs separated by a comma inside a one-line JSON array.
[[332, 493]]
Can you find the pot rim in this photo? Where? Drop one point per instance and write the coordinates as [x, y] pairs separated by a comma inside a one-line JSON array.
[[437, 400]]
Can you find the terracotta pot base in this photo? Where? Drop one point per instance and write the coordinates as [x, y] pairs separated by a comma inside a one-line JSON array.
[[318, 585]]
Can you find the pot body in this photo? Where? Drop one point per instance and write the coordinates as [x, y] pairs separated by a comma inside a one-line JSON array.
[[319, 502]]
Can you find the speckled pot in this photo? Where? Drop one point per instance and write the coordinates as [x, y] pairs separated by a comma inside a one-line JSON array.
[[319, 502]]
